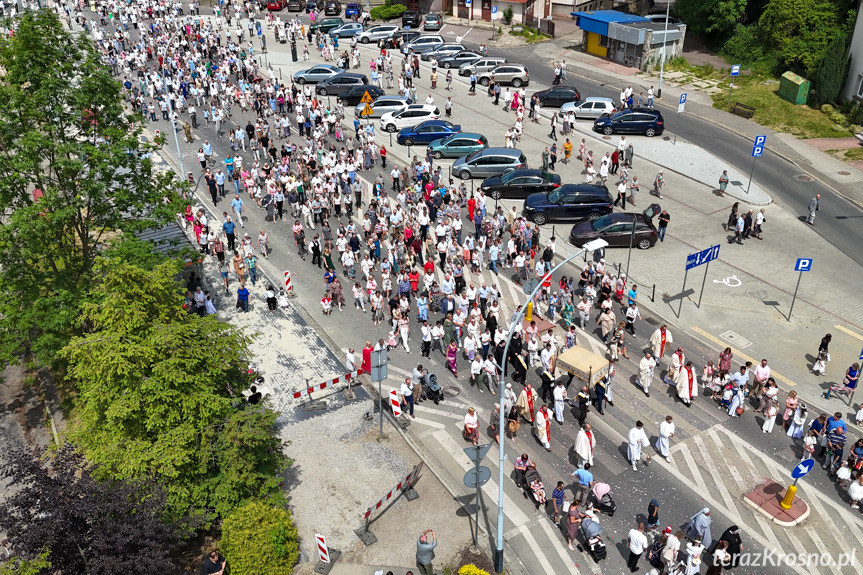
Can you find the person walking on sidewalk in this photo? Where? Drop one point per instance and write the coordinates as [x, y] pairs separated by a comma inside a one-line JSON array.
[[425, 551], [658, 184], [723, 183], [553, 133], [664, 218], [814, 206]]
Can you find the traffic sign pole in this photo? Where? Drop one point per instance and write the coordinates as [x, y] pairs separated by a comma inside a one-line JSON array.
[[680, 107], [803, 265], [682, 292], [735, 71], [799, 277], [757, 151], [704, 281], [801, 470]]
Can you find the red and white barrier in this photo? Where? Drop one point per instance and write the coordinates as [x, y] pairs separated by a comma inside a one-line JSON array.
[[331, 383], [288, 285], [394, 403], [406, 483], [323, 550]]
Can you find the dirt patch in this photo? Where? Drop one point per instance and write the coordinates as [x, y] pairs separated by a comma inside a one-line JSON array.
[[471, 556], [697, 52]]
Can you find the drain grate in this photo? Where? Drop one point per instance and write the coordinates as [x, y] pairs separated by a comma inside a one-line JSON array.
[[736, 339], [804, 178], [652, 320], [843, 173]]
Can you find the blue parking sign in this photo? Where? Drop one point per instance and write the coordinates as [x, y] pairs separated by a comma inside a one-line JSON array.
[[735, 70], [683, 98], [760, 140], [757, 151], [803, 265]]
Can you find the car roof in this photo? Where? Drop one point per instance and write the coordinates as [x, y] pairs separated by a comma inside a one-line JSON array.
[[435, 123], [533, 172], [429, 107], [584, 188], [346, 75], [598, 99], [500, 152]]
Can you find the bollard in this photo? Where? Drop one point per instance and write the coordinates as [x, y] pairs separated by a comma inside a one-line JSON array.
[[788, 500]]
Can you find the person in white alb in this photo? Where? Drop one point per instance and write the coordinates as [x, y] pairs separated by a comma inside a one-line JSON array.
[[677, 362], [687, 384], [637, 439], [645, 372], [542, 429], [663, 442]]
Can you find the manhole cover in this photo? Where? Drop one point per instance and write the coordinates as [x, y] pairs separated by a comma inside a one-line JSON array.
[[844, 173], [735, 338], [804, 178], [606, 137]]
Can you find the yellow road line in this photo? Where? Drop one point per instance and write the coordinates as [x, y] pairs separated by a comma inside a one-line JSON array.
[[849, 332], [743, 356]]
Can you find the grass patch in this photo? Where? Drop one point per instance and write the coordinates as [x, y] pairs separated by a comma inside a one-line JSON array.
[[531, 35], [854, 154], [701, 72], [776, 113]]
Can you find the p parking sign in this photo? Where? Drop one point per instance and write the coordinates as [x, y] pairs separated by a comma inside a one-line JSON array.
[[803, 265]]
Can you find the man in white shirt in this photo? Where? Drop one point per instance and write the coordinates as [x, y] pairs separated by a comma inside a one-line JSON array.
[[637, 545], [663, 442], [583, 308], [407, 392], [350, 360], [427, 338], [545, 357], [761, 373]]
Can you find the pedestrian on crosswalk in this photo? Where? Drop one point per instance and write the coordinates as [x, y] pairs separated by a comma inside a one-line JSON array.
[[637, 439], [585, 443], [663, 442]]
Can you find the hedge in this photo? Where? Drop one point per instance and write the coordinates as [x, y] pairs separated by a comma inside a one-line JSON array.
[[388, 12], [259, 538]]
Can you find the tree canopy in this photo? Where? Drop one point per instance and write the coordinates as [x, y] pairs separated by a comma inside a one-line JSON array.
[[156, 394], [74, 172], [258, 538]]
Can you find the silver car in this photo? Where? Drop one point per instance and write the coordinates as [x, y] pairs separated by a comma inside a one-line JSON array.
[[425, 43], [489, 162], [591, 108], [376, 33], [515, 74], [484, 64], [383, 105], [441, 51], [316, 74]]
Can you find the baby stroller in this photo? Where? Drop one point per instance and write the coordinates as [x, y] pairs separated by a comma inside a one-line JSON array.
[[535, 497], [432, 390], [604, 502], [590, 531]]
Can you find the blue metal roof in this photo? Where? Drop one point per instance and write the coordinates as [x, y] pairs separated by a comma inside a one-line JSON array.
[[598, 21]]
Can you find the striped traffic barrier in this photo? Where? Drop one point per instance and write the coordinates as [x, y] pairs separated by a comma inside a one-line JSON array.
[[326, 555], [394, 404], [403, 487]]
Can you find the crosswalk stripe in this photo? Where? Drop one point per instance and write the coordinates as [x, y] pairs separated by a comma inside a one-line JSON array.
[[513, 511], [821, 511], [730, 501], [743, 455], [546, 566], [427, 422], [732, 469], [693, 469], [557, 543], [797, 544]]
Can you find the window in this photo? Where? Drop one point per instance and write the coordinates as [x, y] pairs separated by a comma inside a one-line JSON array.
[[603, 41], [860, 85]]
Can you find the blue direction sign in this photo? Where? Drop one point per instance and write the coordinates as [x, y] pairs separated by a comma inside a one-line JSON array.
[[735, 70], [802, 468], [861, 354], [803, 265], [702, 257]]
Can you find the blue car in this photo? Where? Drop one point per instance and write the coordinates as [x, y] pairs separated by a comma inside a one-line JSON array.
[[426, 132], [352, 10]]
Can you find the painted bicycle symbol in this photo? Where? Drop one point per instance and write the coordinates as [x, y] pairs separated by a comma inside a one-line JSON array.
[[730, 281]]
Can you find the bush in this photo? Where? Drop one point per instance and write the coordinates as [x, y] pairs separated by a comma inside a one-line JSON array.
[[746, 48], [388, 11], [855, 128], [471, 570], [257, 538], [507, 15], [855, 116], [827, 109], [838, 118]]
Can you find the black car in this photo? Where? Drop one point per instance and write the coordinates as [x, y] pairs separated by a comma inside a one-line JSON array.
[[520, 184], [569, 202], [311, 5], [340, 83], [332, 8], [631, 121], [557, 96], [617, 229], [401, 38], [411, 18], [295, 5], [353, 96]]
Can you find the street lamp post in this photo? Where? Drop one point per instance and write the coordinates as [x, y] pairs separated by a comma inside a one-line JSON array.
[[664, 42], [174, 125], [588, 247]]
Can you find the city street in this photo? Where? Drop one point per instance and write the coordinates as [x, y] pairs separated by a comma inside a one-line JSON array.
[[715, 459]]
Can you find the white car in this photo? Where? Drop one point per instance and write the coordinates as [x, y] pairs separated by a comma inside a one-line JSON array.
[[409, 117], [376, 33], [591, 108]]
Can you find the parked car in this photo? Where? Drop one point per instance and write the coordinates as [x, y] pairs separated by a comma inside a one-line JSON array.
[[592, 107], [616, 229], [311, 5], [631, 121], [376, 33], [484, 64], [346, 30], [353, 95], [567, 203], [410, 116], [432, 22], [458, 145], [325, 25], [295, 5], [332, 8], [316, 74], [515, 74], [401, 37], [276, 4], [411, 19], [384, 104], [489, 162], [441, 51], [520, 184], [557, 96], [459, 58], [352, 10], [425, 42], [340, 83], [426, 132]]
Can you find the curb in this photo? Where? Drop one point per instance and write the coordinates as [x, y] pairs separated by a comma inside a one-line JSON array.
[[776, 520]]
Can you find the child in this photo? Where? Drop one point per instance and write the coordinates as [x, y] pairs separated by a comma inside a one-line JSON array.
[[727, 394], [843, 474], [809, 443], [327, 304], [820, 366], [283, 299], [707, 376], [859, 417], [771, 417], [392, 339]]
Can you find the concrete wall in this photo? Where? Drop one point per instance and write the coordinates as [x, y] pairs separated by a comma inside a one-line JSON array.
[[854, 83]]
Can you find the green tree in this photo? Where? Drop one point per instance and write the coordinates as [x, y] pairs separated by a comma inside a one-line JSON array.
[[64, 132], [157, 389], [711, 17], [258, 538], [832, 71], [802, 30], [15, 565]]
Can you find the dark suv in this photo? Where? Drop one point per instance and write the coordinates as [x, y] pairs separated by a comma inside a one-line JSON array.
[[569, 202], [557, 96], [411, 18], [332, 8], [631, 121]]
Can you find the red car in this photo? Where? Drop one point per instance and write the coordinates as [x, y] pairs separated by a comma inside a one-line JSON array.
[[276, 5]]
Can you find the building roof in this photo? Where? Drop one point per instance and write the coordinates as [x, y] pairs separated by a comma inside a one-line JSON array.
[[166, 239], [608, 16]]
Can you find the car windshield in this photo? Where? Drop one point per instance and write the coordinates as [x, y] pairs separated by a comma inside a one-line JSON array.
[[555, 196], [508, 177], [600, 223]]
